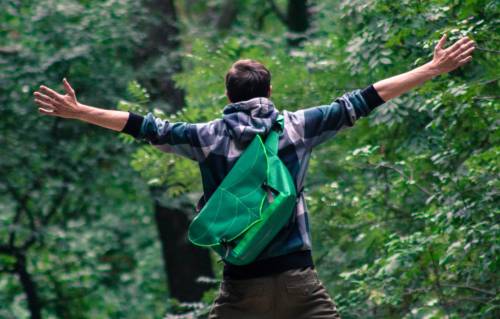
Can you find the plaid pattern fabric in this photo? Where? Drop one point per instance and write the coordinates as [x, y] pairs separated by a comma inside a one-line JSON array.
[[216, 145]]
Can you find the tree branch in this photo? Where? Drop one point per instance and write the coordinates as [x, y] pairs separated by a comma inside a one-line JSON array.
[[22, 201], [487, 97], [437, 284], [7, 250], [56, 203], [260, 18], [488, 50], [7, 270], [227, 16], [400, 172], [491, 293], [367, 223], [281, 16]]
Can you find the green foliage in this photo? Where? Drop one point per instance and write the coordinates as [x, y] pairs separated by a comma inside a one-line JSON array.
[[69, 201], [409, 221], [404, 206]]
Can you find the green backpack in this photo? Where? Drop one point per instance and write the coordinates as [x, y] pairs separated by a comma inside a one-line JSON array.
[[251, 205]]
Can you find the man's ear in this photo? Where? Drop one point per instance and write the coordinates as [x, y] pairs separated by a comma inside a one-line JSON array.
[[270, 91]]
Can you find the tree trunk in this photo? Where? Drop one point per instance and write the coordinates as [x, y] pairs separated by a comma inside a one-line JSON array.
[[29, 287], [229, 11], [297, 20], [162, 40], [184, 262], [297, 16]]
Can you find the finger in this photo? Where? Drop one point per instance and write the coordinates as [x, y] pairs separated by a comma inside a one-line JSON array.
[[68, 88], [46, 99], [46, 112], [457, 45], [51, 93], [466, 60], [441, 42], [465, 54], [44, 105], [463, 48]]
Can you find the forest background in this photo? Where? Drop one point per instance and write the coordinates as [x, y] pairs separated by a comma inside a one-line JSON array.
[[404, 206]]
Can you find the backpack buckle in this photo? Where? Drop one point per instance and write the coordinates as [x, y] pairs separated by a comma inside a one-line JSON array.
[[226, 245], [271, 192]]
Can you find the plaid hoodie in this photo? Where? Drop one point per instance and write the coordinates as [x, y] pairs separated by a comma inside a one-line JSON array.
[[216, 145]]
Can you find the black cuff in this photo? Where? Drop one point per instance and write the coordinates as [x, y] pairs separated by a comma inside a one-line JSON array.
[[371, 97], [134, 123]]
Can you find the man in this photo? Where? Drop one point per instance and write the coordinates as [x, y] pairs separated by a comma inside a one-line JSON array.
[[282, 282]]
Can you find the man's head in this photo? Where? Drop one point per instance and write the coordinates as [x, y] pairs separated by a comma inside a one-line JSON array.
[[247, 79]]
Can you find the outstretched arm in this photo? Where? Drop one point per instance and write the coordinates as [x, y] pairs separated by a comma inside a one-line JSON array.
[[67, 106], [180, 137], [318, 124], [444, 61]]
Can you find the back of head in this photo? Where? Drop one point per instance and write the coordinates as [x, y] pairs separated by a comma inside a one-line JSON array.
[[247, 79]]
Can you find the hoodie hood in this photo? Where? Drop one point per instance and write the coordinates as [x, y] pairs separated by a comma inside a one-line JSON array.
[[246, 119]]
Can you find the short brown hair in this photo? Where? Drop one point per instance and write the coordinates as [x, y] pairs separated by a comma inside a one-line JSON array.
[[247, 79]]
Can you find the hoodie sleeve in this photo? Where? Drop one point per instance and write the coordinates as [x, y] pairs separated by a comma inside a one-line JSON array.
[[179, 137], [318, 124]]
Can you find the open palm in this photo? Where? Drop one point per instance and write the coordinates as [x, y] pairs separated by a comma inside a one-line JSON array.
[[52, 103], [447, 60]]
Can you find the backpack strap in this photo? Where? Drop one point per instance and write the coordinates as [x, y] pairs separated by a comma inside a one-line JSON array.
[[279, 124], [272, 139], [277, 127]]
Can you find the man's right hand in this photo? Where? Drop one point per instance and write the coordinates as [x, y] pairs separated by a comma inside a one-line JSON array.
[[52, 103], [67, 106]]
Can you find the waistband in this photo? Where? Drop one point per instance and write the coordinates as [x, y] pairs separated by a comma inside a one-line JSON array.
[[269, 266]]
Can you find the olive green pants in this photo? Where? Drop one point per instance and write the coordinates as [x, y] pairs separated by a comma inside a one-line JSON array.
[[293, 294]]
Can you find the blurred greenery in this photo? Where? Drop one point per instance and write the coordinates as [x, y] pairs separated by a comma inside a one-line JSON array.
[[404, 206]]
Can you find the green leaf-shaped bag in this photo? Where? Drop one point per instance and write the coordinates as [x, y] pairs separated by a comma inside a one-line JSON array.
[[251, 205]]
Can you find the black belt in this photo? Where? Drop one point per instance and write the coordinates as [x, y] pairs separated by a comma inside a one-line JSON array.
[[269, 266]]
